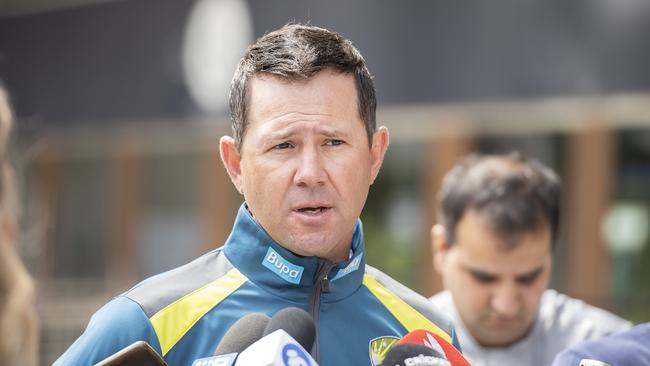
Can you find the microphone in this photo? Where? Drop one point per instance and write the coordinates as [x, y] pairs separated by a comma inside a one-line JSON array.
[[287, 336], [276, 349], [411, 354], [139, 353], [297, 323], [256, 340], [244, 332], [435, 342]]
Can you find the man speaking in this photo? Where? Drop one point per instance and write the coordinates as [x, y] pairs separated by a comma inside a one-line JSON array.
[[304, 153]]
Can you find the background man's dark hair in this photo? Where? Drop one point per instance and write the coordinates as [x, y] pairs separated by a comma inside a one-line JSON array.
[[298, 52], [516, 195]]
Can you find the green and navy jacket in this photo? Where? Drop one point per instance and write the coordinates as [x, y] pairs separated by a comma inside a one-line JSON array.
[[183, 313]]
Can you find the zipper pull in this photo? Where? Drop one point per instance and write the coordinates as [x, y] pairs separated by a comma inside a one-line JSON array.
[[325, 284]]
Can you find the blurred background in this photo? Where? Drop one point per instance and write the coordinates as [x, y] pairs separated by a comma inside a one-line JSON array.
[[120, 105]]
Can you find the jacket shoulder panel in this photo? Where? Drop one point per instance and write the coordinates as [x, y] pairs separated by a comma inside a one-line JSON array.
[[176, 300], [116, 325], [157, 292], [406, 304]]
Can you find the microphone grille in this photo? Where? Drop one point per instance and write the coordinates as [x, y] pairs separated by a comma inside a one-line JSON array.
[[297, 323], [244, 332]]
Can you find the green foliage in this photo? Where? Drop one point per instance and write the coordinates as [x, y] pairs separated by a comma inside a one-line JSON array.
[[386, 253]]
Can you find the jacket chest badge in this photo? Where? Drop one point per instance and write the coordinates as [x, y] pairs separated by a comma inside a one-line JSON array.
[[378, 348]]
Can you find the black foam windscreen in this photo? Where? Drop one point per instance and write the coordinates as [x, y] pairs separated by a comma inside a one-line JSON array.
[[297, 323], [244, 332], [413, 355]]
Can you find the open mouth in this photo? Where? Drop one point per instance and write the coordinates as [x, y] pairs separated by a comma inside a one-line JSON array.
[[312, 210]]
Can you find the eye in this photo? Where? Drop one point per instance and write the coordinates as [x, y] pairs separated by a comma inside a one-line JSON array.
[[282, 146], [528, 279], [335, 142], [483, 278]]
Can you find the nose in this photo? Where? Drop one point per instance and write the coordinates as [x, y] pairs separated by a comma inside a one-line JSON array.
[[310, 171], [506, 300]]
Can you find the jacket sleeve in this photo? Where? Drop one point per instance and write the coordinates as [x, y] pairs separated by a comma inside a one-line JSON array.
[[567, 358], [113, 327]]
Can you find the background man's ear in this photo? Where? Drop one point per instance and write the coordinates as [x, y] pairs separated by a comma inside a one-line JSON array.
[[439, 246], [231, 159]]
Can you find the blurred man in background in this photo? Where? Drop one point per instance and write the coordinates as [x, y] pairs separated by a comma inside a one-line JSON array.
[[499, 217], [304, 153], [18, 325]]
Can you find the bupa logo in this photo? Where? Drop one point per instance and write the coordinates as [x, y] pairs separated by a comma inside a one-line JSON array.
[[292, 355], [282, 267]]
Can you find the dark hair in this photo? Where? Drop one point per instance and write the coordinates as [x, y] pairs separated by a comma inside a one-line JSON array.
[[296, 52], [516, 195]]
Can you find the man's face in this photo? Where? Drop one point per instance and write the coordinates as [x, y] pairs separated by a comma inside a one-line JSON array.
[[305, 165], [496, 291]]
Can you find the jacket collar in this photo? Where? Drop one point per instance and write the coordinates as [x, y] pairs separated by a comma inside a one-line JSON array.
[[269, 265]]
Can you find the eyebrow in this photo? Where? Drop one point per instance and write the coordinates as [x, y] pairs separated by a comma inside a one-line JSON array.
[[276, 135], [482, 274], [530, 275], [490, 276], [329, 132]]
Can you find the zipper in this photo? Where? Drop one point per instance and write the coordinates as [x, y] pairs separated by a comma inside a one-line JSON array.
[[321, 284]]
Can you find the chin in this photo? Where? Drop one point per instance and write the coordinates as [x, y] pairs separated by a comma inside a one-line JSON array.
[[504, 340], [312, 244], [499, 338], [496, 342]]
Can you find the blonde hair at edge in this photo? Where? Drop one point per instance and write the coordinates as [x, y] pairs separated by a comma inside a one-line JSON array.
[[18, 326]]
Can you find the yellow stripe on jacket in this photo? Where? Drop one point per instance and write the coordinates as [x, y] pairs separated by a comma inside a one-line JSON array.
[[173, 321], [410, 318]]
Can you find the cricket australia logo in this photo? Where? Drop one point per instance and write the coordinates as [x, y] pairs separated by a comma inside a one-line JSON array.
[[378, 348]]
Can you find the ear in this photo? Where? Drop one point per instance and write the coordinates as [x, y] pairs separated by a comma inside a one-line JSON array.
[[378, 151], [231, 159], [439, 247]]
